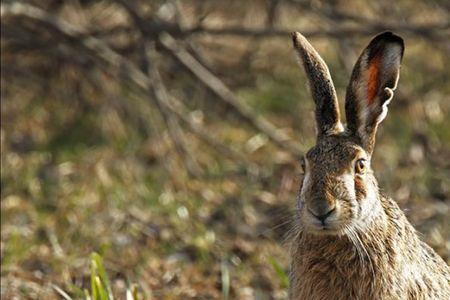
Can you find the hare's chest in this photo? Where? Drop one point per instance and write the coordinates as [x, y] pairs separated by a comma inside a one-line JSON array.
[[315, 278]]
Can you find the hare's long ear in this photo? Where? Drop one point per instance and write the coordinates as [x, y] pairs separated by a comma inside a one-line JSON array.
[[372, 86], [322, 88]]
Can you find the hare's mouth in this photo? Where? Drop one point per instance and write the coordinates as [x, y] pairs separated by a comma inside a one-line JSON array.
[[326, 230], [328, 227], [325, 223]]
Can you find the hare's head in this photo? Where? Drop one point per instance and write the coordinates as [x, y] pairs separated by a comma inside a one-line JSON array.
[[338, 191]]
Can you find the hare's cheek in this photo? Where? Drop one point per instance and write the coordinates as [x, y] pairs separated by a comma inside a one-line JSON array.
[[345, 189], [360, 188]]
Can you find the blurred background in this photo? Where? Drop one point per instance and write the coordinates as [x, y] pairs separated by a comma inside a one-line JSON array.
[[166, 135]]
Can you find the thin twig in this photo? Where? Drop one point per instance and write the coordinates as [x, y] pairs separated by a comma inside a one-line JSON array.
[[430, 31], [177, 136], [159, 92], [213, 83]]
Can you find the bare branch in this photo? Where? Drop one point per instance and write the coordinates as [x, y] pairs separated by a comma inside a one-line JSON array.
[[115, 63], [430, 31], [225, 94], [427, 31], [159, 91], [177, 136]]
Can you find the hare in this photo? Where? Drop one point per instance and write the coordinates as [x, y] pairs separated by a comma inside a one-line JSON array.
[[353, 242]]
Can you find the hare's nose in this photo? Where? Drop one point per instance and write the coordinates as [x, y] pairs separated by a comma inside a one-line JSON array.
[[322, 214]]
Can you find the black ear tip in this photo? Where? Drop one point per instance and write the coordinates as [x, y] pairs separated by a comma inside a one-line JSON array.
[[384, 38], [294, 36], [389, 37], [297, 38]]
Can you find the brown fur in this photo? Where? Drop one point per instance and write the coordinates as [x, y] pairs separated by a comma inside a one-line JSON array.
[[330, 267], [365, 248], [322, 88]]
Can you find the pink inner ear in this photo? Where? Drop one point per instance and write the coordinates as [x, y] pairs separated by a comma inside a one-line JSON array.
[[373, 78]]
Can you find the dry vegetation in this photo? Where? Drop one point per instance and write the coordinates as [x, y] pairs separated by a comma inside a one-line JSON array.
[[165, 136]]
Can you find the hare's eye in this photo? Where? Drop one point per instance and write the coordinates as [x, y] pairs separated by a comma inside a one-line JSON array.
[[360, 166]]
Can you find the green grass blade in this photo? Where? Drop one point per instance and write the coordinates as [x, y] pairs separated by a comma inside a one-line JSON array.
[[225, 277], [94, 292], [102, 292], [97, 263], [284, 279]]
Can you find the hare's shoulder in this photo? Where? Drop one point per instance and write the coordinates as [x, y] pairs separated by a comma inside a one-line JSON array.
[[433, 271], [434, 280], [435, 261]]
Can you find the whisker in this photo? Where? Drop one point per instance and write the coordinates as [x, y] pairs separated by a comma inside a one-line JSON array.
[[367, 253], [352, 238]]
